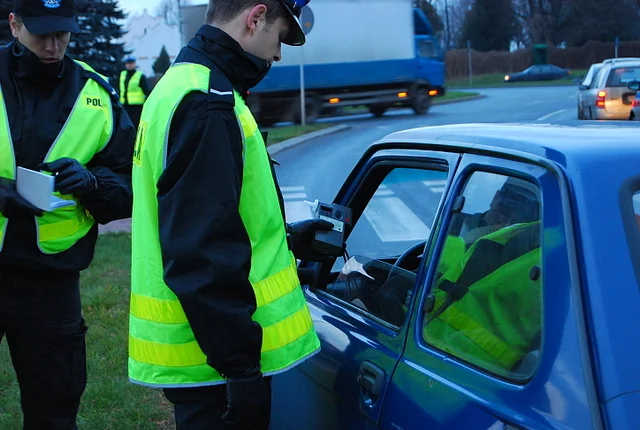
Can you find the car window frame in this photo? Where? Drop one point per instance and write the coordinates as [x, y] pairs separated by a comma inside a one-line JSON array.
[[628, 190], [423, 159]]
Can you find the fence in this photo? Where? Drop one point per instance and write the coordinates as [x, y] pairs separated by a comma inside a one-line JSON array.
[[507, 62]]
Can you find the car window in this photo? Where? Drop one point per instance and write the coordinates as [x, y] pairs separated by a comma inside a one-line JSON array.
[[485, 306], [399, 215], [428, 49], [621, 76]]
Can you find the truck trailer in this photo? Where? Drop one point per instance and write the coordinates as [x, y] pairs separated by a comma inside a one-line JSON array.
[[374, 53]]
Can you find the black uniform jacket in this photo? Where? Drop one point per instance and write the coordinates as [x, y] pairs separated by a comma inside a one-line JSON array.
[[205, 247], [37, 107]]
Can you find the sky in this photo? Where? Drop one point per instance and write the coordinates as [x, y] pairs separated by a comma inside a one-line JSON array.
[[151, 5]]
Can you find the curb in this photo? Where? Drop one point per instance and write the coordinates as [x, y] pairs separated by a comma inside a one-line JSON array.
[[505, 86], [281, 146]]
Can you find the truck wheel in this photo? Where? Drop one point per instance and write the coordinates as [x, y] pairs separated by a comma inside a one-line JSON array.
[[312, 109], [377, 111], [421, 102]]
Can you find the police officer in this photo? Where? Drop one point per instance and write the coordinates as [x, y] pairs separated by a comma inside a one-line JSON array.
[[59, 116], [216, 303], [134, 90]]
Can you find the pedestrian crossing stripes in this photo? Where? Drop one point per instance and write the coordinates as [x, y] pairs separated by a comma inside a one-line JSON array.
[[389, 216]]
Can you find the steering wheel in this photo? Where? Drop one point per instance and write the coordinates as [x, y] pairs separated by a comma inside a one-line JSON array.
[[413, 252]]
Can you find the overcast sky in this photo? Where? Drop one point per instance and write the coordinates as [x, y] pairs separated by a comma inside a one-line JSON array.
[[138, 5]]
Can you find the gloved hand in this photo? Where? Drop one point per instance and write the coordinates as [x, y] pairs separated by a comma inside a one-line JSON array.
[[248, 402], [12, 204], [302, 234], [71, 176]]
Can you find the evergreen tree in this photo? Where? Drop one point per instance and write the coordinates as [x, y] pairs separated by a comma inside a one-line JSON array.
[[100, 28], [490, 25], [162, 63], [5, 32]]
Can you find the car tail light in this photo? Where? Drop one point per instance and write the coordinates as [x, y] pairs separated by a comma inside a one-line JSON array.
[[635, 102], [600, 99]]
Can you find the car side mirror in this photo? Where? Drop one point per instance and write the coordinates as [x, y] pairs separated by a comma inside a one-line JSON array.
[[634, 85], [584, 87]]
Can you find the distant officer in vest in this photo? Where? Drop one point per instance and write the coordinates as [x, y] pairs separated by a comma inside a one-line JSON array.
[[216, 303], [134, 90], [59, 116]]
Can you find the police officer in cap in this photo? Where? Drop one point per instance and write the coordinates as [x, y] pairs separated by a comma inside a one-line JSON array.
[[216, 303], [134, 90], [60, 117]]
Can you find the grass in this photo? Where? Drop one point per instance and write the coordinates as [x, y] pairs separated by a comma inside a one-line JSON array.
[[278, 134], [497, 79], [110, 400]]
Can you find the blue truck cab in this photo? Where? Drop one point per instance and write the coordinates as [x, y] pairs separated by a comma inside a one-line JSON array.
[[389, 58], [490, 281]]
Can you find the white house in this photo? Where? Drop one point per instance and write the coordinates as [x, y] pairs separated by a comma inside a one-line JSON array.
[[146, 35]]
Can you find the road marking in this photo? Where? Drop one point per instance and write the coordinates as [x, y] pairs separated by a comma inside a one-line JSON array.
[[549, 115], [295, 208], [393, 221], [290, 189]]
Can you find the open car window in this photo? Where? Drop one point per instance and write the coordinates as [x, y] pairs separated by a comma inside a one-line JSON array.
[[391, 232]]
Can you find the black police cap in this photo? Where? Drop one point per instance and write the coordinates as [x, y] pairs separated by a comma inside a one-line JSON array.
[[47, 16], [296, 36]]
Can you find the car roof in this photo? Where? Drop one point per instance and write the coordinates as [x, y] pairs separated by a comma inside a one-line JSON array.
[[556, 142]]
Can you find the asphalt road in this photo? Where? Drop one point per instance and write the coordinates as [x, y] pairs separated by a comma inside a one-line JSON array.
[[316, 169]]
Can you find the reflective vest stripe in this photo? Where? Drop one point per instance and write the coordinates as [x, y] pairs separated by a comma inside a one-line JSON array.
[[134, 93], [190, 354], [267, 291], [86, 132]]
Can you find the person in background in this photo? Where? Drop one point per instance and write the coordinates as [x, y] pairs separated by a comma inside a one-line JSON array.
[[216, 303], [134, 90], [59, 116]]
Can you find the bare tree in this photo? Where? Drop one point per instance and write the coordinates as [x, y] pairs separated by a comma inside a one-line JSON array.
[[170, 10]]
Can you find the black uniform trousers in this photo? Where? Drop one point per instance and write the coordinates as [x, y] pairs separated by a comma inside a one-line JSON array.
[[201, 408], [134, 112], [40, 316]]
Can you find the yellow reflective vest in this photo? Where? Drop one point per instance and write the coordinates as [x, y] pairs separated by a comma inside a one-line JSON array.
[[163, 351], [87, 131], [133, 91], [497, 319]]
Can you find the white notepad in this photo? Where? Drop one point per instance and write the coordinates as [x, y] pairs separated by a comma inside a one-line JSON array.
[[37, 188]]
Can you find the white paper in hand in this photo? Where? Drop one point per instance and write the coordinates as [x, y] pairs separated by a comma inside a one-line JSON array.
[[37, 188]]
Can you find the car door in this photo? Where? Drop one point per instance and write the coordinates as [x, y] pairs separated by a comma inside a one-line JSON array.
[[395, 196], [496, 339]]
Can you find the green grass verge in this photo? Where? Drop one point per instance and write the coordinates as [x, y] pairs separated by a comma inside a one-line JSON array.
[[497, 79], [278, 134], [110, 400]]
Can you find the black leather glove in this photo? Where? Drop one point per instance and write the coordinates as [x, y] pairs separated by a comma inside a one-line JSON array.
[[71, 176], [302, 234], [248, 402], [12, 204]]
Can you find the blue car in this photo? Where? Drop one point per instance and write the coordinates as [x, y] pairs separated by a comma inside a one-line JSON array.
[[491, 280]]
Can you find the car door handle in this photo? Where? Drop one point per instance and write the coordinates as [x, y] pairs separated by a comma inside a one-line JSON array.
[[371, 379]]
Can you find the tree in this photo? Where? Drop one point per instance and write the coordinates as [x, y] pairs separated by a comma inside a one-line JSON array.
[[490, 25], [601, 21], [99, 28], [430, 11], [171, 11], [162, 63], [5, 32]]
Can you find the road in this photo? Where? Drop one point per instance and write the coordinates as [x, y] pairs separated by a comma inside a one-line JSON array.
[[316, 169]]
